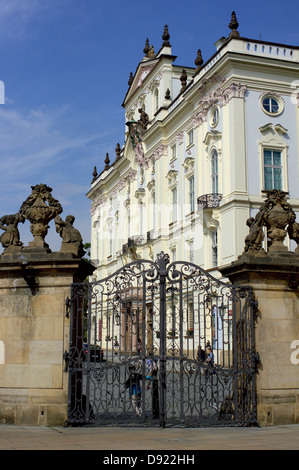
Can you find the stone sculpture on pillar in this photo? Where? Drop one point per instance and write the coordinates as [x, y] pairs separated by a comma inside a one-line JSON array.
[[71, 238], [277, 215], [40, 208], [293, 231], [10, 239]]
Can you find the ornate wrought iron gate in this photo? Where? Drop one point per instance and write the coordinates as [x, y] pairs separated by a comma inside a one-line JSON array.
[[147, 329]]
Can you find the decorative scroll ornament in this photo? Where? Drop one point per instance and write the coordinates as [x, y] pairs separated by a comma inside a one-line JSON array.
[[40, 208]]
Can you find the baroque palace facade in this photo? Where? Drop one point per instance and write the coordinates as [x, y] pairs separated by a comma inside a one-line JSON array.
[[202, 146]]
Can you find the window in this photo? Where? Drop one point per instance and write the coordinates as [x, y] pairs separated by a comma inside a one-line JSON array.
[[110, 243], [173, 152], [156, 99], [190, 318], [173, 253], [191, 251], [191, 194], [214, 116], [153, 209], [272, 105], [272, 169], [190, 137], [214, 171], [140, 218], [128, 221], [214, 237], [174, 193]]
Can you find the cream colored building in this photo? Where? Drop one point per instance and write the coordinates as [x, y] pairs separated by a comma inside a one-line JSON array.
[[215, 137]]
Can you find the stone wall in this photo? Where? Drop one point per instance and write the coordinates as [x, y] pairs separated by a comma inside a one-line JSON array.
[[34, 333]]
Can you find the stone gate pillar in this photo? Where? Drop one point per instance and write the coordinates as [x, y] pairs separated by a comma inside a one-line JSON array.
[[274, 277], [34, 327], [34, 331]]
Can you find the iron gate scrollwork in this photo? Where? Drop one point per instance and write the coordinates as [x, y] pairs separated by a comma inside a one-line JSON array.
[[160, 343]]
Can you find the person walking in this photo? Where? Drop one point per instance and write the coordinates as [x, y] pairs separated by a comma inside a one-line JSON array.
[[133, 384]]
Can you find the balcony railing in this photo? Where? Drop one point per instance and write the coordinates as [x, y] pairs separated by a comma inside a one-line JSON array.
[[209, 201], [135, 240]]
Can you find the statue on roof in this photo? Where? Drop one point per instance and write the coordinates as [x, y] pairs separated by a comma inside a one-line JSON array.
[[144, 119]]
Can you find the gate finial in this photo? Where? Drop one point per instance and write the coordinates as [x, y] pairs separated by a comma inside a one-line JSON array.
[[162, 259]]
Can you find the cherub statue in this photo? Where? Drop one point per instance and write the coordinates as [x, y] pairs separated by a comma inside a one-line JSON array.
[[11, 235], [254, 240], [71, 237], [293, 231]]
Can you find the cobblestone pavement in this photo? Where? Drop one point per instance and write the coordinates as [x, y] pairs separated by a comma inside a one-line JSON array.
[[284, 437]]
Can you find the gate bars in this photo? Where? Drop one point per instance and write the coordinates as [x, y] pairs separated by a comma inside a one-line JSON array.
[[181, 339]]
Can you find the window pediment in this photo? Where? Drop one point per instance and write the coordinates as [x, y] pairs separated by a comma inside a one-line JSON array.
[[273, 128], [211, 137], [172, 177]]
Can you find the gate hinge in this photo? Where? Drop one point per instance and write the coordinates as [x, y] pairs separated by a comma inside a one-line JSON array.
[[256, 362], [66, 358], [67, 307], [255, 304]]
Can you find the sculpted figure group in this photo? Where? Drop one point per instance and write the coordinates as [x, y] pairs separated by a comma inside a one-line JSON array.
[[40, 208], [277, 215]]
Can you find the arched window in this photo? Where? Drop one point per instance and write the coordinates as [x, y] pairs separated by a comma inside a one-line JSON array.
[[153, 210], [141, 222], [128, 221], [156, 99], [214, 171]]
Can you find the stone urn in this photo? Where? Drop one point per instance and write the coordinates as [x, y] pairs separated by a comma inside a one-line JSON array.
[[40, 208], [278, 215]]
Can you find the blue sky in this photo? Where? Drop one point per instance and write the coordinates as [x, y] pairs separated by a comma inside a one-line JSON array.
[[65, 65]]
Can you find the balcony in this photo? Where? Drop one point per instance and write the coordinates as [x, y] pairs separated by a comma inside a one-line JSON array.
[[134, 241], [150, 235], [209, 201]]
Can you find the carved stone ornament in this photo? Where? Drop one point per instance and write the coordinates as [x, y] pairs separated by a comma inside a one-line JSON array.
[[71, 237], [254, 240], [277, 215], [293, 231], [136, 140], [10, 239], [144, 119], [40, 208]]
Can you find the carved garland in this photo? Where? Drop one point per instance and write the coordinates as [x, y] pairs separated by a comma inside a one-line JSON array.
[[218, 96]]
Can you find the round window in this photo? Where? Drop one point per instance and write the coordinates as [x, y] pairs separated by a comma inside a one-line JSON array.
[[272, 105]]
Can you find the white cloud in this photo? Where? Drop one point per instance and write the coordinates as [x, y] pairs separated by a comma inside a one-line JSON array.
[[17, 16], [34, 141]]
